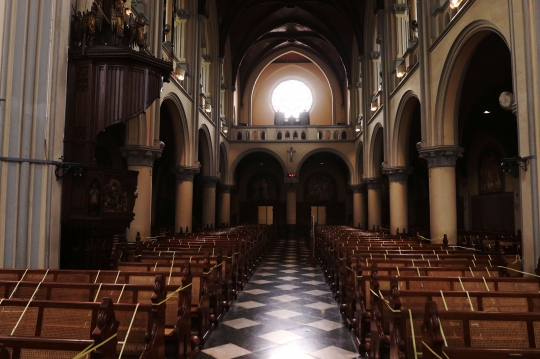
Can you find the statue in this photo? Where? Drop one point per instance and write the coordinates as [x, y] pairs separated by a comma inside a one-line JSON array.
[[93, 200]]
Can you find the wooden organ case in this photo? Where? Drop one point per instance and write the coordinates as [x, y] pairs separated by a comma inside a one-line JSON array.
[[112, 78]]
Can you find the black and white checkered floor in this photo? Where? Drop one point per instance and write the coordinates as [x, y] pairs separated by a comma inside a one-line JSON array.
[[285, 311]]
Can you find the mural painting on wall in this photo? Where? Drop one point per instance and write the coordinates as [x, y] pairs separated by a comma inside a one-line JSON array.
[[320, 187], [263, 188], [491, 176]]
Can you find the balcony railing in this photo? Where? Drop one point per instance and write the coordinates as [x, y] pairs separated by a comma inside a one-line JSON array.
[[292, 133]]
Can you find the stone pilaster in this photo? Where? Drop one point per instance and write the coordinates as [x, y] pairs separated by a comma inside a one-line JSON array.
[[399, 211], [141, 159], [442, 190], [374, 188], [359, 205], [209, 201], [184, 198]]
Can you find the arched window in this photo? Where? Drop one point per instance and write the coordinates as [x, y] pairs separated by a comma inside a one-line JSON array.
[[303, 135], [328, 135], [287, 134], [343, 135], [255, 135], [336, 135], [263, 135], [279, 135], [239, 136], [247, 135], [291, 97], [319, 135], [295, 135]]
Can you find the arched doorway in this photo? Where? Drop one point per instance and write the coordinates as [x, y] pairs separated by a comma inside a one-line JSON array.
[[485, 194], [163, 177], [259, 195], [323, 191]]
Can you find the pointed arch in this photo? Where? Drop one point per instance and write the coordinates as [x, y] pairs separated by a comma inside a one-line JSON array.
[[445, 124], [181, 128], [402, 127], [254, 150], [329, 150], [205, 143]]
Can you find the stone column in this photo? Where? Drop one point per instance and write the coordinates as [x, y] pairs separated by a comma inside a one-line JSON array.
[[141, 159], [442, 190], [225, 205], [399, 211], [209, 201], [359, 206], [184, 198], [374, 202]]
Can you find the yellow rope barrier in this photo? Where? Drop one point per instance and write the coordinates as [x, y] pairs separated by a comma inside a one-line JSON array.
[[211, 269], [97, 275], [91, 348], [444, 300], [19, 282], [431, 350], [487, 270], [28, 304], [116, 280], [485, 283], [129, 329], [413, 337], [120, 295], [515, 270], [170, 271], [97, 293], [470, 302], [397, 268], [471, 271], [460, 282]]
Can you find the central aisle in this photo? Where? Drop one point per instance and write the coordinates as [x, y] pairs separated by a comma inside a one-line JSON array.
[[285, 311]]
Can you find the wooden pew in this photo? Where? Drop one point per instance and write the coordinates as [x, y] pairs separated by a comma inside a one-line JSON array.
[[176, 327], [39, 333], [467, 335]]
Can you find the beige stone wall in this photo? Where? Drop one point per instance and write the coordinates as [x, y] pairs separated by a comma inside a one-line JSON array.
[[274, 74]]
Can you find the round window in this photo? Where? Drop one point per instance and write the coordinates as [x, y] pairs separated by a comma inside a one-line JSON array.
[[292, 97]]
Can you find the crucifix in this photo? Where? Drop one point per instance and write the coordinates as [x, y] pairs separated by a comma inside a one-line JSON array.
[[290, 151]]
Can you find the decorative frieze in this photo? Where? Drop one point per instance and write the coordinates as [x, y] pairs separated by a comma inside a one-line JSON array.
[[441, 156], [184, 173], [373, 183], [210, 182], [397, 174], [142, 155], [358, 188]]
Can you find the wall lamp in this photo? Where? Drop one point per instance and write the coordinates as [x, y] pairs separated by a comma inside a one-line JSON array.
[[179, 72], [63, 167], [508, 164], [207, 107], [401, 70], [455, 3], [374, 103]]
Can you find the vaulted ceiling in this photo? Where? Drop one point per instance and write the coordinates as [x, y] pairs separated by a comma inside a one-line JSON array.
[[258, 29]]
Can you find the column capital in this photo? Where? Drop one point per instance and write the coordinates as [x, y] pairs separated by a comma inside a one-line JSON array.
[[141, 155], [210, 181], [184, 173], [441, 156], [397, 174], [358, 188], [225, 188], [373, 183]]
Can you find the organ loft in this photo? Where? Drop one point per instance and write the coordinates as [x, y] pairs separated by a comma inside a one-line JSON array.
[[262, 178]]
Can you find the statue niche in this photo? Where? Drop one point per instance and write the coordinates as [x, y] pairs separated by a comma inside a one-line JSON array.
[[490, 174], [320, 187], [262, 188]]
